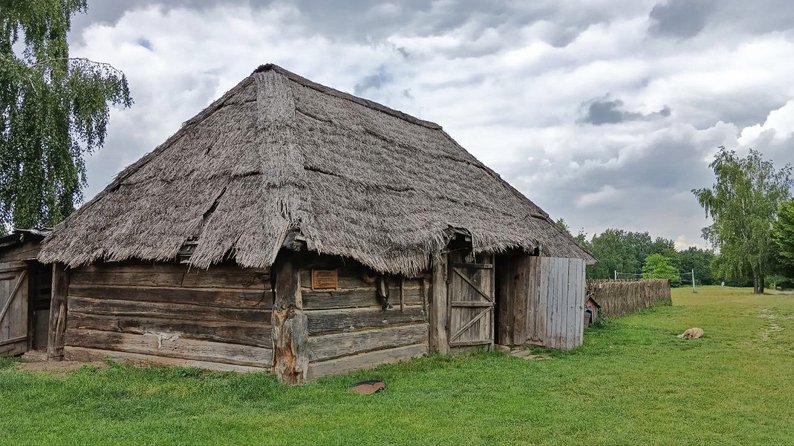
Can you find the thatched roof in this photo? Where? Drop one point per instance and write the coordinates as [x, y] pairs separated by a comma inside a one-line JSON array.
[[278, 154]]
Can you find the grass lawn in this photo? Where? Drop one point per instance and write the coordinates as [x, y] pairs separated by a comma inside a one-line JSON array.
[[633, 382]]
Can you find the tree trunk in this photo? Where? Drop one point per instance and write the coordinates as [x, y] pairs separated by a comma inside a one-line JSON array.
[[758, 284]]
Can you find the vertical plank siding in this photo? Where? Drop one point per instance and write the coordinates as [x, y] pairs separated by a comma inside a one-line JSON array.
[[13, 308], [546, 295], [24, 297]]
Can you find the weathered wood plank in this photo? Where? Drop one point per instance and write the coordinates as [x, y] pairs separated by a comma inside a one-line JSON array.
[[350, 343], [90, 354], [171, 345], [438, 305], [543, 307], [167, 275], [26, 251], [222, 278], [506, 269], [324, 300], [14, 347], [260, 300], [329, 321], [365, 360], [58, 310], [131, 309], [289, 324], [245, 333], [124, 278]]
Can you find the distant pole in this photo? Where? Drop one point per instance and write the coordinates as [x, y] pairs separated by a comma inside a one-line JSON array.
[[616, 275], [693, 281]]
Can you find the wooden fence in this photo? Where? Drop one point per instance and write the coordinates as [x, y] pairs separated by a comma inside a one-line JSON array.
[[618, 298]]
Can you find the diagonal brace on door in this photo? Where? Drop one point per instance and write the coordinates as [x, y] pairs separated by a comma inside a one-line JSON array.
[[13, 295], [469, 324], [466, 279]]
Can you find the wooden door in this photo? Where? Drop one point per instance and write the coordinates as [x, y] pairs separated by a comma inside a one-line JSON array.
[[471, 301], [13, 308]]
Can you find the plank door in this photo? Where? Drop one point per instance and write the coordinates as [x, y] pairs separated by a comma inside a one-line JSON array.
[[471, 301], [13, 308]]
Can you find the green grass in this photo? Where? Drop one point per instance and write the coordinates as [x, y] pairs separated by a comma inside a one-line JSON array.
[[633, 382]]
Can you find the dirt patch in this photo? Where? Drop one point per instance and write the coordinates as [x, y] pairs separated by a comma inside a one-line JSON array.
[[772, 327], [36, 361], [522, 353]]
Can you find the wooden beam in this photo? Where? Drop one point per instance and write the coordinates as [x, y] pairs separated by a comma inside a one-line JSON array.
[[438, 305], [58, 310], [290, 324], [83, 354]]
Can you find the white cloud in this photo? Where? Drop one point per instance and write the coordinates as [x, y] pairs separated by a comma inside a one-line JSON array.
[[506, 80], [777, 128]]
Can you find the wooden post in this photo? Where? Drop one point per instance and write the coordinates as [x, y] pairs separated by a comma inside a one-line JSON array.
[[58, 310], [290, 325], [438, 306]]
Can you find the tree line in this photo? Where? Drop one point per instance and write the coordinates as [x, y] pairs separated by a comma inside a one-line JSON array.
[[752, 233], [638, 254]]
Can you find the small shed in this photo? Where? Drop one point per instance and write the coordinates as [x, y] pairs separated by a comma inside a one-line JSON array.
[[590, 311], [294, 228], [24, 293]]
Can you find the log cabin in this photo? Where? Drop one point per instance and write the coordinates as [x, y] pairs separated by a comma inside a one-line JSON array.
[[296, 229]]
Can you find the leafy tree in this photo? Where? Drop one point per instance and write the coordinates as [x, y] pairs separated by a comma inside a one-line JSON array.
[[700, 261], [53, 110], [657, 266], [563, 225], [783, 237], [625, 252], [743, 204]]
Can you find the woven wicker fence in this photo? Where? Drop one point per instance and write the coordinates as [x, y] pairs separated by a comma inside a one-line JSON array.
[[618, 298]]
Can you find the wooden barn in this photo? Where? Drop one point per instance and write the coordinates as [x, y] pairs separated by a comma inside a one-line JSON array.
[[294, 228], [24, 293]]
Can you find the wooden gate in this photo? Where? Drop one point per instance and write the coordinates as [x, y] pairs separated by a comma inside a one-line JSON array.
[[13, 308], [471, 301]]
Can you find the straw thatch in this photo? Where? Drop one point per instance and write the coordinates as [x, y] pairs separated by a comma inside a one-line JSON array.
[[279, 153]]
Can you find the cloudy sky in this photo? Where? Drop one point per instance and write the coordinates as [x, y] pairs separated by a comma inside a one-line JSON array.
[[604, 112]]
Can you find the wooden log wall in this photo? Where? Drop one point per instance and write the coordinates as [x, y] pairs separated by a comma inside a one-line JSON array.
[[618, 298], [168, 314], [349, 328], [541, 301]]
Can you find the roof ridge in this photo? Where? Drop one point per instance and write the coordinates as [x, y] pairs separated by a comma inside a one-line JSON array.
[[342, 95]]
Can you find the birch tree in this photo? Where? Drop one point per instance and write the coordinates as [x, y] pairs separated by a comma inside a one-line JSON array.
[[743, 204], [54, 109]]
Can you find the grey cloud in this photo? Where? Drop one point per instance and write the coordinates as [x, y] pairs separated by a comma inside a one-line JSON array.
[[688, 18], [610, 111], [373, 82], [144, 43], [366, 21], [680, 18]]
